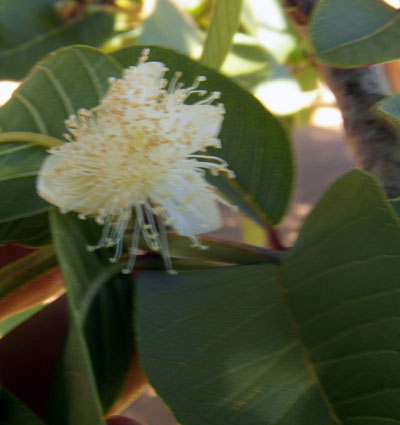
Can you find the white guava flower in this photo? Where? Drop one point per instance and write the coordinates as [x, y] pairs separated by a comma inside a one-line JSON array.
[[133, 159]]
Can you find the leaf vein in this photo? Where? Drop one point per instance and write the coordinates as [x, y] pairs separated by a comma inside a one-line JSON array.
[[378, 418], [342, 266], [367, 395], [91, 73], [356, 356], [341, 334], [59, 89], [41, 125], [218, 338], [348, 302]]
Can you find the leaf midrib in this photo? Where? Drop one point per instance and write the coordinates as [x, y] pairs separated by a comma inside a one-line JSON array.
[[280, 280]]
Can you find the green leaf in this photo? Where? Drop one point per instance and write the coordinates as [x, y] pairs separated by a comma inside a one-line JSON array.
[[267, 22], [395, 204], [76, 398], [168, 26], [250, 65], [65, 81], [26, 270], [14, 412], [10, 323], [311, 341], [353, 33], [223, 26], [31, 29], [109, 335], [253, 142], [31, 231], [390, 108]]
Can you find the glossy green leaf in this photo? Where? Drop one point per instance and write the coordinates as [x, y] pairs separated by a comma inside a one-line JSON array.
[[14, 412], [314, 340], [76, 397], [223, 26], [253, 142], [390, 108], [169, 26], [56, 87], [353, 33], [31, 29]]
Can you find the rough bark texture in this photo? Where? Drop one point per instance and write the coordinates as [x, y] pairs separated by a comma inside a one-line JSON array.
[[375, 143]]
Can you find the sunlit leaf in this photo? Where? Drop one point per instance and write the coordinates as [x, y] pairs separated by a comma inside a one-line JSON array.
[[169, 26], [28, 281], [266, 21], [250, 65], [7, 325], [223, 26]]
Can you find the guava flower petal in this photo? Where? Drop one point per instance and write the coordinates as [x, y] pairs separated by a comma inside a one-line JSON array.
[[133, 161]]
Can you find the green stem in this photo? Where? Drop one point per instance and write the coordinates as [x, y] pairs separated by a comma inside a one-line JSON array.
[[37, 139]]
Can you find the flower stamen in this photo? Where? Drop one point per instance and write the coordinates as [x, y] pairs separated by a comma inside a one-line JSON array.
[[133, 159]]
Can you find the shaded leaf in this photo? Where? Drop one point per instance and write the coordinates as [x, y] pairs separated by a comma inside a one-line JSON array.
[[70, 79], [395, 204], [14, 412], [76, 398], [223, 26], [30, 353], [221, 251], [353, 33], [253, 142], [239, 361], [31, 29], [31, 231], [109, 335], [312, 341]]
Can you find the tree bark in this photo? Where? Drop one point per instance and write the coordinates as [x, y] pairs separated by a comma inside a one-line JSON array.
[[374, 142]]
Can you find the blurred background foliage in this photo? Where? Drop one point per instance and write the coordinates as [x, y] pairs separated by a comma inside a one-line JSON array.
[[267, 57]]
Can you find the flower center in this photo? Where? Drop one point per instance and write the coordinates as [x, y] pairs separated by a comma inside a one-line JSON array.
[[135, 155]]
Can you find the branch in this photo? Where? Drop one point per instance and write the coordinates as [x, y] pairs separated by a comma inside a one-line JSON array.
[[374, 142]]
